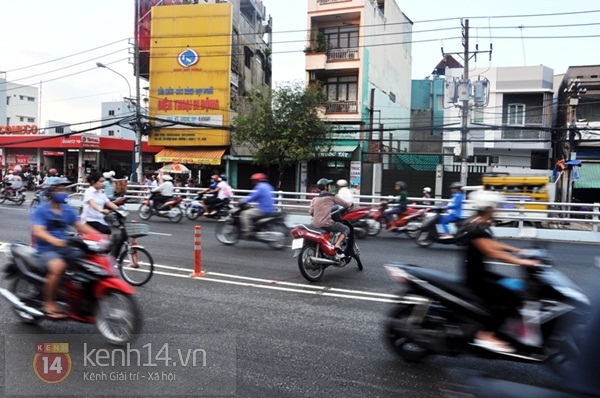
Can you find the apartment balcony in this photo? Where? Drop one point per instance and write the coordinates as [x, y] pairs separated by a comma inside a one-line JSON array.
[[339, 58], [341, 107], [514, 133]]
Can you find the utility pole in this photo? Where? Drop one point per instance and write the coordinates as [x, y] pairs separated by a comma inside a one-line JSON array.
[[465, 108], [138, 117]]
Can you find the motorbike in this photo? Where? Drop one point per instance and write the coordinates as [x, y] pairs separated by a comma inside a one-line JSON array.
[[315, 250], [194, 209], [111, 218], [6, 193], [40, 196], [360, 218], [437, 314], [89, 291], [170, 209], [408, 222], [270, 229], [428, 234]]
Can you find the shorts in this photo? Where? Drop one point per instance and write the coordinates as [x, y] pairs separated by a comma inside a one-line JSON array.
[[339, 227], [67, 253]]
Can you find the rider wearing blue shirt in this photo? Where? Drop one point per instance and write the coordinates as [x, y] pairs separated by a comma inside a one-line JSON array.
[[264, 195], [454, 209]]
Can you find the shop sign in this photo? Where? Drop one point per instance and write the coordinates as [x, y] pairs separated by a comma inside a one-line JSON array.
[[89, 156], [21, 159], [53, 153], [19, 130], [90, 141]]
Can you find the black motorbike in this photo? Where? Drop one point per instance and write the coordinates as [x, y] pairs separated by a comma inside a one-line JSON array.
[[7, 193], [438, 314], [194, 209], [270, 229], [40, 196], [428, 233], [171, 209]]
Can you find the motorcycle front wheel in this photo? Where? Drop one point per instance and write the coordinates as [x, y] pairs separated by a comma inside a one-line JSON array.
[[310, 271], [145, 212], [402, 345], [357, 257], [193, 212], [227, 233], [423, 238], [374, 227], [175, 214], [29, 294], [136, 266], [21, 199], [118, 317], [281, 231]]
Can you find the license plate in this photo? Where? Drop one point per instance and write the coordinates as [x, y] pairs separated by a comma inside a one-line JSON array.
[[297, 244]]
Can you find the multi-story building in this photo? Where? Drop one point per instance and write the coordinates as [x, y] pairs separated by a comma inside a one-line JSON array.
[[577, 123], [359, 52], [203, 57], [509, 130]]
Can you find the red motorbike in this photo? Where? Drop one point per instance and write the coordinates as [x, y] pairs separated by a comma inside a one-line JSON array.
[[408, 222], [361, 220], [89, 291], [315, 250], [171, 209]]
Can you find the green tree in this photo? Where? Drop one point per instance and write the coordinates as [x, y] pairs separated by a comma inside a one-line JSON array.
[[282, 126]]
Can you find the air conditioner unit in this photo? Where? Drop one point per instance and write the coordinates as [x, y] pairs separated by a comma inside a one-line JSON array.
[[351, 55]]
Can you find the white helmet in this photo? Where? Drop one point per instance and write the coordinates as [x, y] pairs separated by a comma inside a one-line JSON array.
[[485, 199], [427, 190], [341, 183]]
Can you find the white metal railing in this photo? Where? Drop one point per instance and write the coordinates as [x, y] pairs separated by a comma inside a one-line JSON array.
[[341, 107], [342, 54], [330, 1]]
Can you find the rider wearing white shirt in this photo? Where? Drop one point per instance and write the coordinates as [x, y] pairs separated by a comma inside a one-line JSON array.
[[94, 203], [15, 181], [166, 190]]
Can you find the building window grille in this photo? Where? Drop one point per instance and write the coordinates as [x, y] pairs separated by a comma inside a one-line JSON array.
[[516, 114], [248, 57]]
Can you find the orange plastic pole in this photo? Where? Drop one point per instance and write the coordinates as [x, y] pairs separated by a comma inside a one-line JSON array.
[[197, 253]]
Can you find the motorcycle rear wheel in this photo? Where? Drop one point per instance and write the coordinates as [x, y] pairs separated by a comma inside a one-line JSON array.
[[407, 349], [423, 238], [193, 212], [227, 233], [21, 200], [118, 317], [357, 257], [311, 272], [280, 242], [175, 214], [28, 293], [145, 212], [374, 227]]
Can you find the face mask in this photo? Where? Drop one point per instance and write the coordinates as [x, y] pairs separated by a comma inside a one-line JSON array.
[[60, 197]]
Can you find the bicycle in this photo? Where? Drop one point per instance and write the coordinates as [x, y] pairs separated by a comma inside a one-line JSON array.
[[135, 263]]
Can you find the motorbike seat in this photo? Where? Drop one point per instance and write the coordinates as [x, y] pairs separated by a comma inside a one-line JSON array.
[[268, 217], [450, 283], [28, 254]]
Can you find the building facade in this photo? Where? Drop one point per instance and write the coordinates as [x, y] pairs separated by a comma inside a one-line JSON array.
[[359, 52]]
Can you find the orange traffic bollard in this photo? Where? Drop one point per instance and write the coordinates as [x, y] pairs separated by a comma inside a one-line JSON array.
[[197, 253]]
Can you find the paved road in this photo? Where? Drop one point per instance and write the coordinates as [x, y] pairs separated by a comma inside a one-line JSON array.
[[289, 338]]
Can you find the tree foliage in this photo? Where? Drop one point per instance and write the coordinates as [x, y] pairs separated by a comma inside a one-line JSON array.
[[282, 126]]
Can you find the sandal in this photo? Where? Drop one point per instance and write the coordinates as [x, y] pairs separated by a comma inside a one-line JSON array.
[[56, 315]]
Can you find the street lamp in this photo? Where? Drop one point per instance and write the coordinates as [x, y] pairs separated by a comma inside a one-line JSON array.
[[137, 170]]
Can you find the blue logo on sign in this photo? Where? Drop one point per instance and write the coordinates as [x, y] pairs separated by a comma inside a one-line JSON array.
[[188, 58]]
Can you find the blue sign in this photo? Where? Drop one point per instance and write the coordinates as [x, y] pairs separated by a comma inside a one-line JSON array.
[[188, 58]]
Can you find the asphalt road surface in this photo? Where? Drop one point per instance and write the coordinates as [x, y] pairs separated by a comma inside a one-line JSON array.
[[272, 332]]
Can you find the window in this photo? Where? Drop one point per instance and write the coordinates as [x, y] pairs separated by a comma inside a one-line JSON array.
[[343, 88], [22, 97], [516, 114], [31, 120], [21, 119], [30, 99], [111, 113], [7, 100], [111, 133], [341, 36], [477, 115], [248, 57], [59, 130]]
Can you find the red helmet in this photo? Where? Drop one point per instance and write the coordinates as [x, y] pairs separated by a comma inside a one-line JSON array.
[[258, 177], [52, 172], [215, 177]]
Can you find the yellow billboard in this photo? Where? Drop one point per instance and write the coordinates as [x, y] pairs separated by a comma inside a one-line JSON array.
[[190, 63]]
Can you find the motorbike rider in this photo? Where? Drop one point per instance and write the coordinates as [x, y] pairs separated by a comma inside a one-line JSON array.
[[166, 190], [108, 184], [343, 191], [264, 195], [221, 193], [16, 183], [320, 209], [481, 245], [95, 202], [401, 199], [426, 195], [453, 209], [49, 224]]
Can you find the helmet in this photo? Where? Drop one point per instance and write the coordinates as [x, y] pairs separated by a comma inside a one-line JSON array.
[[52, 182], [323, 183], [167, 177], [223, 177], [341, 183], [456, 185], [215, 177], [485, 199], [16, 172], [258, 177], [52, 172], [108, 175], [427, 190], [402, 184]]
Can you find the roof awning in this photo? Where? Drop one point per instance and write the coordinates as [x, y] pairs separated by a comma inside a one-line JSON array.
[[193, 155], [342, 149], [589, 176]]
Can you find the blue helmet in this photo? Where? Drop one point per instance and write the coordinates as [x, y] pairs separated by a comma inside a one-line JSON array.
[[52, 182]]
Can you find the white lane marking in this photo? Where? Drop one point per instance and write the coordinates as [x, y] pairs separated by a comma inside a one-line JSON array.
[[159, 233]]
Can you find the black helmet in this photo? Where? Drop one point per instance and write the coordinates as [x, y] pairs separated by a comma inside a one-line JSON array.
[[402, 184], [322, 183], [456, 185], [223, 177]]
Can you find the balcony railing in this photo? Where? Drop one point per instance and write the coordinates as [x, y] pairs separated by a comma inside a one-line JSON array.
[[342, 54], [341, 107], [517, 134], [330, 1]]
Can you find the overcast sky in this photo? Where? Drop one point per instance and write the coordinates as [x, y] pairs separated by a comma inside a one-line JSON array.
[[56, 44]]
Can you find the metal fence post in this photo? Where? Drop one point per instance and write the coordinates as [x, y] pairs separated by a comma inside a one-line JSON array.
[[595, 213], [521, 213]]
